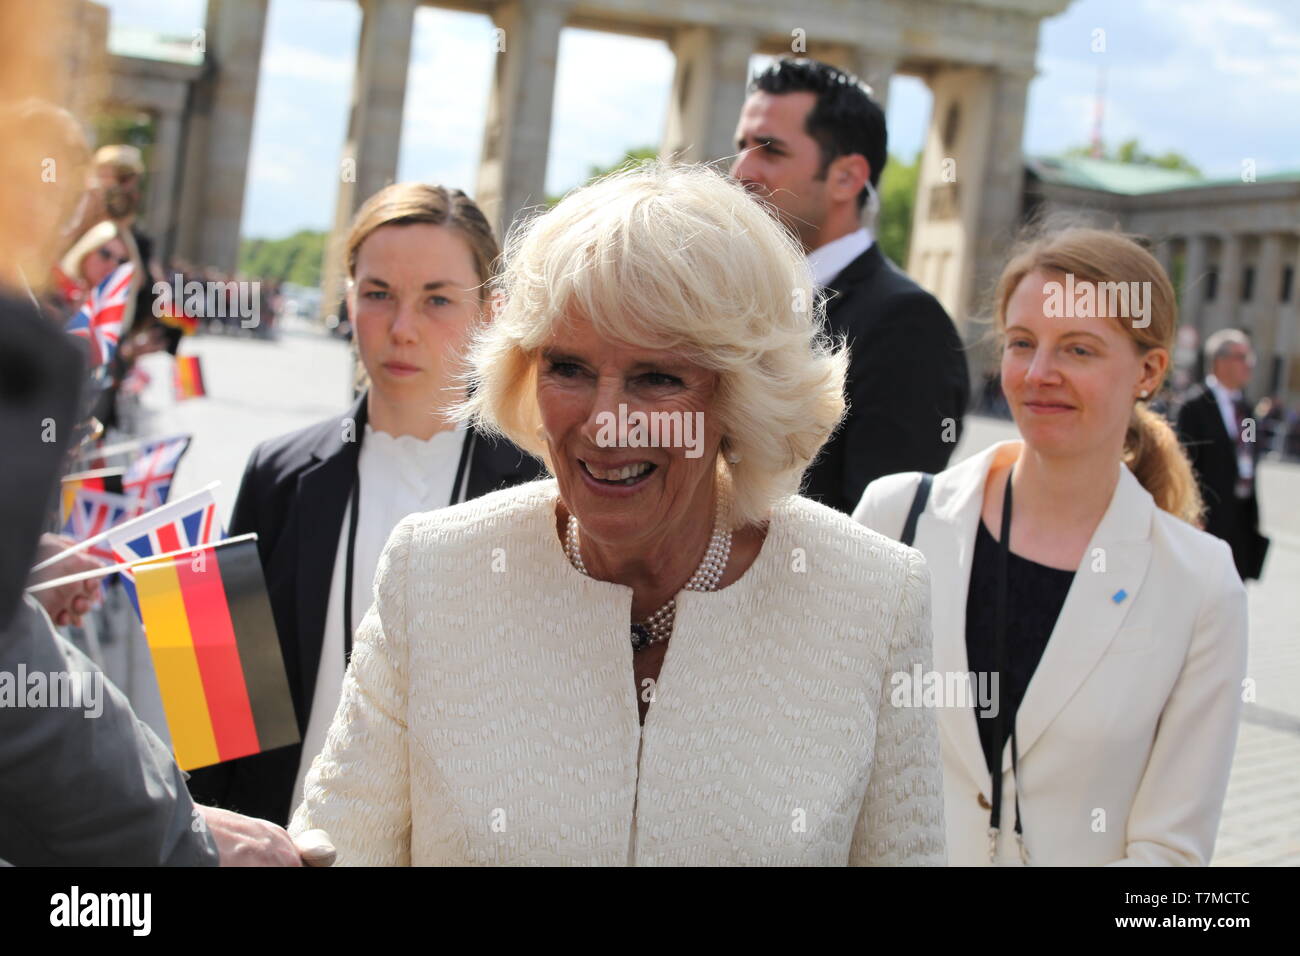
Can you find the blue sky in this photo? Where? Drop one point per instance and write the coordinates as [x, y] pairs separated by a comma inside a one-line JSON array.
[[1217, 80]]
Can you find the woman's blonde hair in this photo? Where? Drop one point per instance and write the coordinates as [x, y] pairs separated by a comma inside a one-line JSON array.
[[1151, 449], [672, 257]]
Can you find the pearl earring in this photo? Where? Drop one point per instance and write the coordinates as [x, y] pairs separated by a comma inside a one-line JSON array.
[[733, 457], [1143, 393]]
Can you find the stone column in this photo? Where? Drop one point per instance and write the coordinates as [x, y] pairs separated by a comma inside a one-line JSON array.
[[163, 182], [512, 171], [708, 92], [876, 70], [1288, 334], [1266, 306], [1001, 189], [233, 37], [374, 136], [1228, 294], [1193, 289], [1162, 249]]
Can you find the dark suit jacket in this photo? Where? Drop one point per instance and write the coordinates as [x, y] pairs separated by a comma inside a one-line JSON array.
[[74, 791], [294, 494], [907, 374], [1213, 453]]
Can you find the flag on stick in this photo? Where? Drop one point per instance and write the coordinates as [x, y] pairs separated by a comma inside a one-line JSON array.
[[150, 475], [187, 523], [94, 512], [189, 378], [99, 321], [100, 479], [220, 672]]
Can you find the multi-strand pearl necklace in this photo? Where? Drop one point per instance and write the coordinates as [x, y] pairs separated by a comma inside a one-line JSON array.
[[659, 625]]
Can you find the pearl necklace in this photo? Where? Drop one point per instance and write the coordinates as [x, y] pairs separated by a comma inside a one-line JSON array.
[[659, 625]]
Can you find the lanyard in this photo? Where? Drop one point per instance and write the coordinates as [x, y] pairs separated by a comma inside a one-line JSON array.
[[457, 495], [1000, 729]]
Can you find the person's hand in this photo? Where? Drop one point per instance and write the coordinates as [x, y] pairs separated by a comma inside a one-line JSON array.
[[247, 841], [315, 848], [66, 604]]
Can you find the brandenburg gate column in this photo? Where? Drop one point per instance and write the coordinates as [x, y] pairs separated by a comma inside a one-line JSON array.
[[876, 70], [1001, 191], [709, 84], [216, 165], [968, 198], [512, 171], [370, 152]]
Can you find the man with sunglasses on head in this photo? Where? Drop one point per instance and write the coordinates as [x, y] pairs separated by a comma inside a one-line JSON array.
[[811, 142]]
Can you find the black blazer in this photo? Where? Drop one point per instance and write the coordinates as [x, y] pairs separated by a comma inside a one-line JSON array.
[[1213, 453], [907, 374], [293, 495]]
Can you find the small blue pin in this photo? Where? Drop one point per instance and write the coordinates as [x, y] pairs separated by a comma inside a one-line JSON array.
[[1119, 596]]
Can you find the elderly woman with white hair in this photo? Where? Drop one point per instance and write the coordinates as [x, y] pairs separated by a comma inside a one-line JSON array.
[[661, 655]]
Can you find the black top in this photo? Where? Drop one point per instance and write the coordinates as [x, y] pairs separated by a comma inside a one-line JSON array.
[[1036, 594]]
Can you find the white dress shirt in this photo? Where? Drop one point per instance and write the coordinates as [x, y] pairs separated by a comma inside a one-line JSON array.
[[830, 260], [399, 476]]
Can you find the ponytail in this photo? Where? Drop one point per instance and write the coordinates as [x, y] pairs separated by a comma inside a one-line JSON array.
[[1154, 455]]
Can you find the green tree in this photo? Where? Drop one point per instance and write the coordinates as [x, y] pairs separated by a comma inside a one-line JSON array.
[[1130, 151], [897, 202], [295, 258]]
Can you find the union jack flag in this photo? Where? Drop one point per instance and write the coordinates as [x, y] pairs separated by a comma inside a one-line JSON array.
[[99, 321], [150, 476], [183, 524], [94, 512]]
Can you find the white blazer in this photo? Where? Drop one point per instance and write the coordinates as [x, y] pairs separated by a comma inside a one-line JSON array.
[[1128, 726]]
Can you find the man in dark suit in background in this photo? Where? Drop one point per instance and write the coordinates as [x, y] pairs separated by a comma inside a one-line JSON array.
[[1216, 428], [812, 142]]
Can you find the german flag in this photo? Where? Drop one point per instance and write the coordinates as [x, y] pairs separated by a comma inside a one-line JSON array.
[[189, 378], [100, 479], [215, 652], [174, 315]]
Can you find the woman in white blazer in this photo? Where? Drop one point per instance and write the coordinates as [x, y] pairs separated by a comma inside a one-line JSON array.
[[1123, 633], [662, 655]]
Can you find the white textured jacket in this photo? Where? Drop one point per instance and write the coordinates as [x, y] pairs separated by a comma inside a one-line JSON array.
[[1128, 726], [489, 714]]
